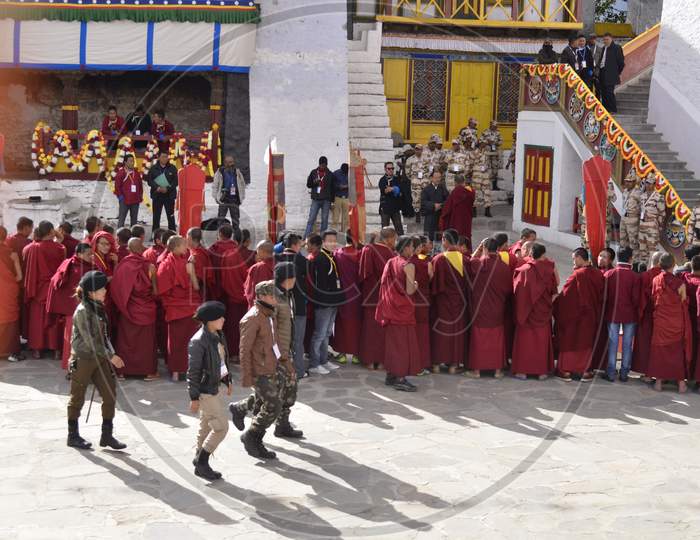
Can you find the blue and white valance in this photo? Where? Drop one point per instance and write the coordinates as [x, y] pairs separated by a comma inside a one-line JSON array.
[[127, 45]]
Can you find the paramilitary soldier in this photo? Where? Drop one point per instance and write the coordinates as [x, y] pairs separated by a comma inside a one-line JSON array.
[[91, 360], [493, 140], [650, 220], [208, 379], [631, 206]]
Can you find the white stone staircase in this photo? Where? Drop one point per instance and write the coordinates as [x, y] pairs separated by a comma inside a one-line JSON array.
[[368, 116]]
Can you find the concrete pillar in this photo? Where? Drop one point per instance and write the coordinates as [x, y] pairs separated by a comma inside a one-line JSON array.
[[69, 101], [587, 11], [643, 14]]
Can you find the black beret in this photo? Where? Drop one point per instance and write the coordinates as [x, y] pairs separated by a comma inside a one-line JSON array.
[[93, 281], [284, 270], [210, 311]]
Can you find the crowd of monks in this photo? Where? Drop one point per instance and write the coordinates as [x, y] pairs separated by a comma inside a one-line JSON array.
[[409, 307]]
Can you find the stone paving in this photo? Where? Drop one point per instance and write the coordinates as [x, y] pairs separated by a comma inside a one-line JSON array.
[[460, 458]]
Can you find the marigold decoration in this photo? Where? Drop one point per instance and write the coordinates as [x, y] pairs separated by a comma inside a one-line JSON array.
[[661, 183], [682, 212], [671, 197], [643, 165], [93, 147]]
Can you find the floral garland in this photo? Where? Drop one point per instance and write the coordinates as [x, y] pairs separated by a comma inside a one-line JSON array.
[[93, 147], [616, 135]]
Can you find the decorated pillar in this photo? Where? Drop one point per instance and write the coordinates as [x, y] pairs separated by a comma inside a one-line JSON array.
[[69, 102], [216, 98], [276, 220]]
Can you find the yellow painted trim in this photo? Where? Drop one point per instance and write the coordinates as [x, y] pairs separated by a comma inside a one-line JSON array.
[[430, 21], [214, 107], [642, 39], [546, 204], [616, 29], [69, 107]]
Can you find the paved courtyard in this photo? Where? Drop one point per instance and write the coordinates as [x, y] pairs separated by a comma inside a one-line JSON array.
[[458, 459]]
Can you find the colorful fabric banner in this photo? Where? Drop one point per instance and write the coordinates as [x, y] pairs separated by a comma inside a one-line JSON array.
[[276, 221], [596, 173]]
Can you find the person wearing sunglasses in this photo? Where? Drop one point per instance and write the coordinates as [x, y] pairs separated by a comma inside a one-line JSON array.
[[391, 198]]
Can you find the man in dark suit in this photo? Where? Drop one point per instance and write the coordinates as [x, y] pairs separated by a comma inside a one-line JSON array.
[[568, 55], [597, 54], [612, 62], [432, 199], [584, 62]]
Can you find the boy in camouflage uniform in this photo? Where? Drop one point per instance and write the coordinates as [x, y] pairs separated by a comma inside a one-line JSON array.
[[581, 223], [493, 139], [629, 221], [469, 135], [693, 226], [653, 210], [417, 172], [455, 159], [481, 179]]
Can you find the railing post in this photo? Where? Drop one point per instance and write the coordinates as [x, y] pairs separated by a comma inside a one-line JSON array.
[[545, 12], [514, 10]]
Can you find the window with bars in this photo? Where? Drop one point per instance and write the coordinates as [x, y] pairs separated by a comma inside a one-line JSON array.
[[508, 89], [429, 84]]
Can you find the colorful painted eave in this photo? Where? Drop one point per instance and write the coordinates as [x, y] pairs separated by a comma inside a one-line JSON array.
[[221, 11]]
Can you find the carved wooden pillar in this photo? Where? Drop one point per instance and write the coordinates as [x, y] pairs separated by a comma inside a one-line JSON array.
[[216, 100], [69, 101]]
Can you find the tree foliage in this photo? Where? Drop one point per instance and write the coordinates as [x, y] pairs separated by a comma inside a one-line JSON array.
[[605, 11]]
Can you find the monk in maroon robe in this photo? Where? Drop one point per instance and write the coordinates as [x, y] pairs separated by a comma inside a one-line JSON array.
[[22, 238], [421, 299], [534, 287], [217, 250], [202, 262], [123, 237], [178, 289], [348, 320], [104, 248], [373, 258], [492, 288], [260, 271], [526, 235], [578, 312], [232, 286], [395, 312], [61, 300], [70, 243], [248, 255], [642, 338], [457, 212], [10, 277], [449, 292], [671, 345], [132, 291], [692, 285], [41, 260], [152, 253]]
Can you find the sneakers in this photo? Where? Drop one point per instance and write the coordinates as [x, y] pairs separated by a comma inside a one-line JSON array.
[[14, 358], [320, 370], [331, 366], [342, 359], [404, 386], [424, 371], [564, 376]]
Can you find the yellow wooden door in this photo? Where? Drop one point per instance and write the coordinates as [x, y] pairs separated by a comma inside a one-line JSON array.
[[396, 92], [471, 94]]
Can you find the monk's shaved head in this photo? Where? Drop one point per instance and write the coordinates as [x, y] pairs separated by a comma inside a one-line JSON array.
[[656, 258], [264, 249], [387, 233], [135, 246], [175, 242], [526, 249]]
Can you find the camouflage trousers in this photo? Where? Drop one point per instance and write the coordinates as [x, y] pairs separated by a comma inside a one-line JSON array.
[[629, 234], [416, 188], [648, 240], [494, 166], [272, 399], [482, 187], [582, 232]]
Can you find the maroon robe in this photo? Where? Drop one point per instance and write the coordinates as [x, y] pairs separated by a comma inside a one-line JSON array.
[[122, 251], [216, 254], [17, 243], [61, 300], [9, 304], [642, 337], [373, 258], [450, 304], [671, 341], [534, 286], [70, 244], [261, 271], [348, 321], [492, 289], [395, 311], [180, 301], [578, 312], [233, 294], [692, 284], [457, 212], [421, 300], [132, 295], [248, 255], [41, 260], [153, 252], [204, 271]]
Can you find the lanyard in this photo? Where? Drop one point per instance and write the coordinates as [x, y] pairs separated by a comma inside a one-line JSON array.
[[333, 266]]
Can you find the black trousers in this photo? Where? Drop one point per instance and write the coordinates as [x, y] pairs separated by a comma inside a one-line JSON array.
[[395, 218], [169, 205], [131, 209], [235, 211], [609, 101]]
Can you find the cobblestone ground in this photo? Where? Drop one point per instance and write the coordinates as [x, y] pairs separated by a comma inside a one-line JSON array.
[[458, 459]]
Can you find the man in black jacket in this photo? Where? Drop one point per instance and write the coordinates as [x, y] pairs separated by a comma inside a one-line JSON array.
[[162, 179], [612, 62], [432, 199], [568, 55], [390, 198], [322, 184], [207, 379]]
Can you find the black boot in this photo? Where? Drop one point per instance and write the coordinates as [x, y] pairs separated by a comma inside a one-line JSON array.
[[264, 452], [74, 438], [237, 416], [487, 213], [494, 186], [475, 212], [250, 443], [107, 439], [285, 430], [202, 468]]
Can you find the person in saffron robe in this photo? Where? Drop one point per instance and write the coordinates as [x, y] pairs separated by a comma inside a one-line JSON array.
[[526, 235], [70, 243], [449, 292], [578, 312], [671, 346], [534, 287], [642, 338], [492, 288], [61, 300], [152, 253], [93, 225], [421, 298], [22, 238], [263, 270], [373, 258], [133, 293], [233, 279], [10, 277], [396, 313], [41, 260], [179, 291], [692, 284], [348, 320], [217, 250], [457, 212], [202, 262], [123, 236]]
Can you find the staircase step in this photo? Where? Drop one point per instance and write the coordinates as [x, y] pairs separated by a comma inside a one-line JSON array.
[[367, 110], [368, 121], [671, 165], [645, 136], [633, 110], [364, 67], [360, 88], [660, 155], [366, 78], [366, 99], [370, 132], [362, 56], [686, 183], [384, 143], [633, 101], [678, 175], [378, 156], [654, 146]]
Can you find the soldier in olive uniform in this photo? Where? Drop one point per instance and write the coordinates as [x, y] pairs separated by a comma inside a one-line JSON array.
[[582, 223], [481, 180], [455, 159], [469, 135], [91, 359], [511, 158], [651, 218], [629, 221], [693, 225], [493, 140], [432, 154], [417, 172]]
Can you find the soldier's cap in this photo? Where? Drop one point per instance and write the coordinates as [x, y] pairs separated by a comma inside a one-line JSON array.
[[649, 180], [456, 141], [407, 147], [419, 147], [210, 311], [265, 288], [434, 138], [93, 281]]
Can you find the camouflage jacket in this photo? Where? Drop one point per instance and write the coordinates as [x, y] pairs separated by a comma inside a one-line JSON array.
[[469, 137], [417, 167], [458, 158], [494, 140], [653, 207], [632, 202], [480, 162], [693, 225]]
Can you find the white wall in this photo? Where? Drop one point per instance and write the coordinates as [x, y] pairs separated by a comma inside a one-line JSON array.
[[674, 102], [298, 93], [543, 128]]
